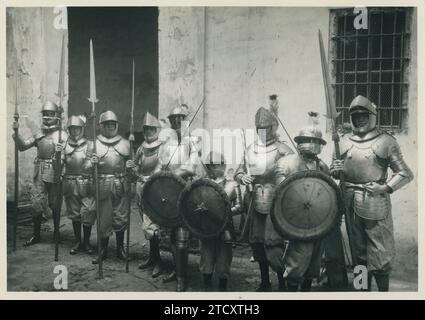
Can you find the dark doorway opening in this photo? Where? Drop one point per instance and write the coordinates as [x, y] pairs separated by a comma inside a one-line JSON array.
[[120, 34]]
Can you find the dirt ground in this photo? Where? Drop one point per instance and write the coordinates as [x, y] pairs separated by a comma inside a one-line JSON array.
[[31, 269]]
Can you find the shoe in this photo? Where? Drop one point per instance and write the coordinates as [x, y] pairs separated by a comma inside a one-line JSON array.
[[180, 285], [146, 264], [264, 287], [86, 243], [170, 277], [87, 248], [222, 285], [103, 250], [157, 270], [36, 232], [121, 252], [33, 240], [78, 247], [207, 282]]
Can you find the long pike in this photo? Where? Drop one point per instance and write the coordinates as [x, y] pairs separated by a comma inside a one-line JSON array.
[[58, 154], [93, 99], [332, 114], [131, 140], [16, 195]]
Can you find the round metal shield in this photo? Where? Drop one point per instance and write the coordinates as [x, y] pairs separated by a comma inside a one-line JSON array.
[[205, 208], [160, 194], [307, 205]]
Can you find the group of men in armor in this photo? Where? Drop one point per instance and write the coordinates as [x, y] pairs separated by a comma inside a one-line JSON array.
[[366, 157]]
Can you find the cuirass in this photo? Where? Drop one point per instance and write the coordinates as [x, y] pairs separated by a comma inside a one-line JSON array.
[[148, 161], [74, 160], [362, 165], [111, 162], [261, 162], [46, 145], [174, 154]]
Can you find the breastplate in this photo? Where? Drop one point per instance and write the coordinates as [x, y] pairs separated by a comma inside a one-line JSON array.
[[261, 162], [111, 162], [46, 146], [176, 155], [148, 161], [75, 160], [362, 165]]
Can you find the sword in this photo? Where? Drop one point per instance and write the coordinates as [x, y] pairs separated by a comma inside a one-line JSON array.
[[131, 139], [16, 191], [58, 154], [332, 114], [93, 101]]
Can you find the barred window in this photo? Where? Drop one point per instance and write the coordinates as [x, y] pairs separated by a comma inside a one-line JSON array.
[[371, 62]]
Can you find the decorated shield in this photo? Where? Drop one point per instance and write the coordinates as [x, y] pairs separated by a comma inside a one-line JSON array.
[[160, 194], [205, 208], [306, 206]]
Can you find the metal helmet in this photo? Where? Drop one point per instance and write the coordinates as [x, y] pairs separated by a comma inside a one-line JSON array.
[[265, 119], [52, 107], [182, 109], [309, 140], [76, 121], [178, 114], [150, 121], [108, 116], [361, 104]]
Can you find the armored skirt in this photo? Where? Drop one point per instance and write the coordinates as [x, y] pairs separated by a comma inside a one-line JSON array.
[[80, 206], [45, 193], [113, 204]]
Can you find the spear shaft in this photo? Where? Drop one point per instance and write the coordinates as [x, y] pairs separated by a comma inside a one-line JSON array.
[[332, 114], [93, 101], [16, 189], [58, 154], [131, 140]]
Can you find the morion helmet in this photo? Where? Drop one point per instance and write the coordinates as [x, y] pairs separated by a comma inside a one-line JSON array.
[[361, 104]]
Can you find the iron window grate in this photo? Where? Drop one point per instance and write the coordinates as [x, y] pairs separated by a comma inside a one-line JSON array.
[[371, 62]]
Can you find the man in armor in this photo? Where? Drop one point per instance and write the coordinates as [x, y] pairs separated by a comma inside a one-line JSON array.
[[79, 204], [112, 153], [46, 191], [300, 260], [258, 170], [366, 156], [145, 164], [179, 155], [216, 253]]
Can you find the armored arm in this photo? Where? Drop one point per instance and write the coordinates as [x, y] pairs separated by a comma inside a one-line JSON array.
[[402, 174], [240, 171], [133, 173], [188, 169], [237, 200], [283, 168], [324, 167], [87, 165], [24, 144]]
